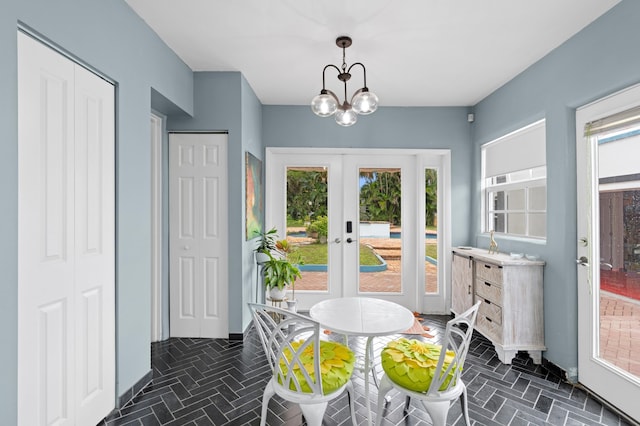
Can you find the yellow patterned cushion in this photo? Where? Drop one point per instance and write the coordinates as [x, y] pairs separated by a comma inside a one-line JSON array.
[[336, 365], [411, 363]]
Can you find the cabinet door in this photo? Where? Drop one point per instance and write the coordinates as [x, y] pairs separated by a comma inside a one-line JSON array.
[[461, 283]]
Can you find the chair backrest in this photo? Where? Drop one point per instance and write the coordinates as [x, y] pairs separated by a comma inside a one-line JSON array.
[[285, 337], [457, 337]]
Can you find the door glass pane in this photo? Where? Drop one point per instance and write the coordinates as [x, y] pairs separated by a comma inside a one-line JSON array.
[[431, 231], [619, 289], [380, 237], [307, 225]]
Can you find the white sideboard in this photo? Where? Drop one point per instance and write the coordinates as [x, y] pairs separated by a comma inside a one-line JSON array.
[[511, 315]]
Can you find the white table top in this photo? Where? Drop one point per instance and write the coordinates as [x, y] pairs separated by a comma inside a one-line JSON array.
[[363, 316]]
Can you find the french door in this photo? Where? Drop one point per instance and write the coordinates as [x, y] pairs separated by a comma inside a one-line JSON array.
[[364, 222], [608, 249]]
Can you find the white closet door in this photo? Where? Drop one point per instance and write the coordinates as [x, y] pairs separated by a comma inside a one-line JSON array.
[[198, 277], [66, 316], [94, 247]]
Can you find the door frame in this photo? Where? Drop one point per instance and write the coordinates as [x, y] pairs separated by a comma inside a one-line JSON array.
[[600, 377], [157, 124], [439, 303]]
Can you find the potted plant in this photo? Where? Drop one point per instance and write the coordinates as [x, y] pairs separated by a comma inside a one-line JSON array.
[[319, 229], [266, 245], [290, 253], [279, 273]]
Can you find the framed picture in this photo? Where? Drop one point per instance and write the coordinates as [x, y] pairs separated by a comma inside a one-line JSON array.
[[253, 202]]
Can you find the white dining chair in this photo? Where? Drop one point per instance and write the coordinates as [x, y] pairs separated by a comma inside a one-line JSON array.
[[427, 372], [298, 357]]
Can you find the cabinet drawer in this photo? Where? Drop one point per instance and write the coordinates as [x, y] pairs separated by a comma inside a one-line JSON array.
[[489, 328], [489, 291], [489, 272], [490, 310]]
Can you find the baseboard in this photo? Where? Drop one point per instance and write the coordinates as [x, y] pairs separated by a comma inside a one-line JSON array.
[[557, 371], [130, 393], [236, 336]]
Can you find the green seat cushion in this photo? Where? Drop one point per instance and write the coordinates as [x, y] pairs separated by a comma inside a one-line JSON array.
[[336, 365], [412, 363]]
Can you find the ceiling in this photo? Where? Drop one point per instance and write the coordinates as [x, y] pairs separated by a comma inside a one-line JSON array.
[[416, 52]]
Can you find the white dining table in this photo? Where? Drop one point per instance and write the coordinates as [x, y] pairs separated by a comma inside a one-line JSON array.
[[362, 316]]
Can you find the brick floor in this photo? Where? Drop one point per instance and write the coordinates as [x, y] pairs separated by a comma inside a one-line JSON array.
[[620, 331]]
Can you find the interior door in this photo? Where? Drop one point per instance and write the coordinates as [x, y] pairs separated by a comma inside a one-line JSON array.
[[66, 231], [198, 277], [374, 203], [608, 250]]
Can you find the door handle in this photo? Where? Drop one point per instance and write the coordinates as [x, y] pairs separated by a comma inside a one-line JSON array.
[[337, 241], [608, 265], [350, 240], [583, 261]]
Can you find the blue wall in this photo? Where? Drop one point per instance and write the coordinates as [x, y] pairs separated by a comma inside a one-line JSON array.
[[224, 101], [599, 60], [113, 40]]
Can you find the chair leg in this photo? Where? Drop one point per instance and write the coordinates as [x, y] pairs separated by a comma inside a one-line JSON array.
[[385, 386], [437, 411], [465, 405], [352, 401], [266, 396], [313, 413], [407, 401]]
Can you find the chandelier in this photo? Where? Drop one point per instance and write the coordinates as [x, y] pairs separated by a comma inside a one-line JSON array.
[[363, 101]]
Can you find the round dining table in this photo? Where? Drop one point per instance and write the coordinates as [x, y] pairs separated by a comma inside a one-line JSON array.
[[362, 316]]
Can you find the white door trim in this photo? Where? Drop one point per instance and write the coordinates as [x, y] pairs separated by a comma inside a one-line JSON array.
[[156, 227]]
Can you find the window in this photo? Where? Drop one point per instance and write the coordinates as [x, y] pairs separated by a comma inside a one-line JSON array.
[[514, 181]]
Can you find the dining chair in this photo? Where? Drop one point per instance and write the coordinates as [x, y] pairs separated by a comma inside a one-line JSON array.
[[428, 372], [306, 370]]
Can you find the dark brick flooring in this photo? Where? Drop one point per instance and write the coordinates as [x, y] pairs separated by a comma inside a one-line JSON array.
[[218, 382]]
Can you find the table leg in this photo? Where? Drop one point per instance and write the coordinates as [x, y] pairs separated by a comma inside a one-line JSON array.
[[368, 355]]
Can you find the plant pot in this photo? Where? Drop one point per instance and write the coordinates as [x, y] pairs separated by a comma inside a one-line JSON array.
[[261, 257], [277, 294], [291, 305]]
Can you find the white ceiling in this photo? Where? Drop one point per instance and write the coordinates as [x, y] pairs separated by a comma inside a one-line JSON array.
[[416, 52]]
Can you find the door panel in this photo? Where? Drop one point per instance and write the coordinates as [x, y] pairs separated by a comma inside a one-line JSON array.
[[198, 235], [608, 232], [66, 267], [319, 280], [373, 199]]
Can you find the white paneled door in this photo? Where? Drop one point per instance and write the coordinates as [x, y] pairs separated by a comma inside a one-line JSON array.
[[198, 277], [66, 249]]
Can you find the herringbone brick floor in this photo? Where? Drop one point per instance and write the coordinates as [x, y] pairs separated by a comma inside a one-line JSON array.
[[220, 382]]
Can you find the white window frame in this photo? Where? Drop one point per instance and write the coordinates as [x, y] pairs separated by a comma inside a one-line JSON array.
[[525, 179]]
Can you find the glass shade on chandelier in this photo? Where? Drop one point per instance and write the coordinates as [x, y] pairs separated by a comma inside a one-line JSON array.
[[327, 103]]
